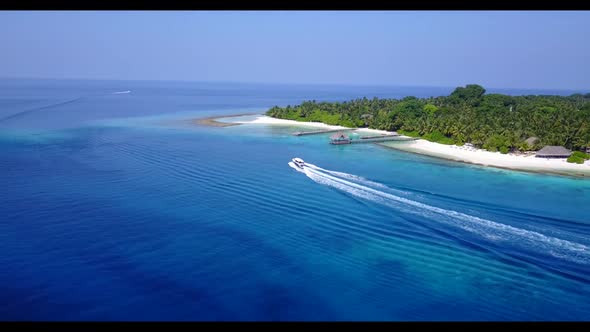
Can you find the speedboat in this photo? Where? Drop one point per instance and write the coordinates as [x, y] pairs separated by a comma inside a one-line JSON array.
[[299, 162]]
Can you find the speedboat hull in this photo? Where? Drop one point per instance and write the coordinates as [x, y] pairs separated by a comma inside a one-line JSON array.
[[298, 162], [295, 167]]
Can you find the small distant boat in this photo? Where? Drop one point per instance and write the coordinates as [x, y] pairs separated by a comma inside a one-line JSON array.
[[299, 162], [119, 92]]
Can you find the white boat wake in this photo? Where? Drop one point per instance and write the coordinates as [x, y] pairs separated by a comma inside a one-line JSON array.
[[487, 229], [121, 92], [349, 176]]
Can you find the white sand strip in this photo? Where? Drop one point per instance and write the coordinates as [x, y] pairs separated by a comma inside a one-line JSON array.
[[486, 158], [263, 119]]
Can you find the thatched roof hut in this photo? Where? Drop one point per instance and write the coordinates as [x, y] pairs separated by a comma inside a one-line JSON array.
[[551, 151], [339, 135], [340, 138]]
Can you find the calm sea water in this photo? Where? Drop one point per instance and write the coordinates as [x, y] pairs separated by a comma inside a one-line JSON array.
[[114, 207]]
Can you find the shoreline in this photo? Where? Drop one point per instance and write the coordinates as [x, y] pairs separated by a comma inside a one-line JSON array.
[[479, 157], [473, 156], [263, 119], [211, 121], [540, 171]]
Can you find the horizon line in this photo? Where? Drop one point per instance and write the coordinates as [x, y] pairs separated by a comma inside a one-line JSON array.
[[287, 83]]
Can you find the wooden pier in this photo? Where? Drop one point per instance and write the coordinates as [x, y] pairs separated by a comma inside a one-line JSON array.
[[379, 136], [344, 139], [378, 139], [317, 132], [375, 139]]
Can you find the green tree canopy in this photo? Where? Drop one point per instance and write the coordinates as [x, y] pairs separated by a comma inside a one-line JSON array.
[[470, 91], [493, 121]]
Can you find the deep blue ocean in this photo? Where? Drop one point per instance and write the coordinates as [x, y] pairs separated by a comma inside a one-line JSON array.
[[114, 206]]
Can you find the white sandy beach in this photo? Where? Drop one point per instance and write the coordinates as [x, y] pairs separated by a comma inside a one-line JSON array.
[[263, 119], [453, 152], [496, 159]]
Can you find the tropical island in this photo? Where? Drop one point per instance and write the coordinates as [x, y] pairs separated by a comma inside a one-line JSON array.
[[468, 116], [535, 133]]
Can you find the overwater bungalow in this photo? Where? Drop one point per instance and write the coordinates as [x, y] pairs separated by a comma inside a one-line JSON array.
[[551, 151], [339, 138]]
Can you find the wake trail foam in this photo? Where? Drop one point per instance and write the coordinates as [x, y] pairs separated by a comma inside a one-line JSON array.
[[348, 176], [22, 113], [490, 230]]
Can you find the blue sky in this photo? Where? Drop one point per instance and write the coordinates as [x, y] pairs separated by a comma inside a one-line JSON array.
[[509, 49]]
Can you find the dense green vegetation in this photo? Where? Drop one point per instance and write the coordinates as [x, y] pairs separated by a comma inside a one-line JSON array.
[[578, 157], [494, 122], [581, 154]]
